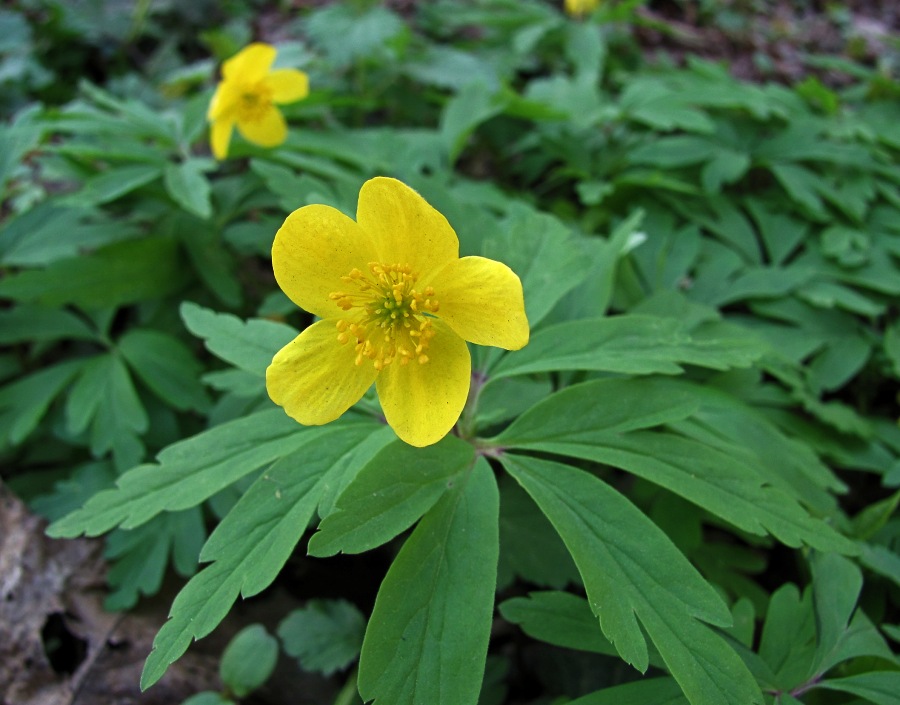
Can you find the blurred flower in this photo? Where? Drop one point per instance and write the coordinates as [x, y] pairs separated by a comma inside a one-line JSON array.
[[247, 95], [578, 8], [397, 306]]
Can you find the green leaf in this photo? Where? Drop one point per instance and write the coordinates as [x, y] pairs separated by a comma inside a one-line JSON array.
[[188, 187], [114, 183], [33, 239], [122, 273], [629, 344], [631, 572], [166, 366], [658, 691], [188, 472], [427, 638], [103, 399], [248, 660], [26, 324], [24, 402], [543, 252], [836, 586], [252, 543], [529, 547], [325, 636], [558, 618], [573, 415], [248, 345], [801, 185], [389, 495], [208, 697], [471, 106], [139, 558], [879, 687]]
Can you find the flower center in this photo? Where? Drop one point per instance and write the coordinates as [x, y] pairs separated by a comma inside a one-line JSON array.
[[391, 320], [253, 102]]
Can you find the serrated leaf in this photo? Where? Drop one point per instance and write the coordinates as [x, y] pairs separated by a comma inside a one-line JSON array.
[[122, 273], [166, 366], [631, 571], [252, 543], [389, 495], [325, 636], [427, 638], [188, 187], [248, 660], [188, 472], [249, 345], [628, 344]]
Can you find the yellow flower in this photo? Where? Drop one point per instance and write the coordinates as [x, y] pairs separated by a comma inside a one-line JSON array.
[[247, 97], [577, 8], [397, 305]]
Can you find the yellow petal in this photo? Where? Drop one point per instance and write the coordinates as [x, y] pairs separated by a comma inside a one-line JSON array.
[[288, 85], [250, 64], [222, 103], [482, 301], [269, 130], [313, 249], [220, 137], [404, 227], [422, 402], [314, 376]]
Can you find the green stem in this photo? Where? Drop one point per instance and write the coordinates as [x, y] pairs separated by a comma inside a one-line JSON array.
[[348, 695]]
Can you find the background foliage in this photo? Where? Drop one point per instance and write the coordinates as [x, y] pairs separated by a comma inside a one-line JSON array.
[[699, 445]]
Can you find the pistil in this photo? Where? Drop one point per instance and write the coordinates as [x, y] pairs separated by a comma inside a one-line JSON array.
[[389, 318]]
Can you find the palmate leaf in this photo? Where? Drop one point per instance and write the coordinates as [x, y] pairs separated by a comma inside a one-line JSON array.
[[428, 634], [248, 345], [630, 344], [635, 577], [189, 472], [603, 421], [252, 543]]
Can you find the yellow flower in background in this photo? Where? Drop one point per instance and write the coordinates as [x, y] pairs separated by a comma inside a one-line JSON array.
[[578, 8], [247, 95], [397, 305]]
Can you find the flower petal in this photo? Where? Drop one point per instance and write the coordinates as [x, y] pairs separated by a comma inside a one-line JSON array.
[[288, 85], [268, 130], [315, 378], [220, 137], [222, 104], [482, 301], [250, 64], [422, 402], [404, 227], [313, 249]]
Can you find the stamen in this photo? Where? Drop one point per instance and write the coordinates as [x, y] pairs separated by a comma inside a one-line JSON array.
[[388, 318]]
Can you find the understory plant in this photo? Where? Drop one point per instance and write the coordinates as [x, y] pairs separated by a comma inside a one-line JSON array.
[[587, 364]]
